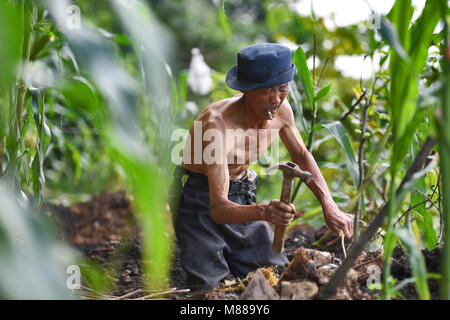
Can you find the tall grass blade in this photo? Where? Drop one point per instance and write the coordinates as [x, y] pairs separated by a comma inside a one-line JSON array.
[[300, 121], [224, 21], [337, 130], [444, 152], [299, 59], [417, 262], [389, 34], [403, 94]]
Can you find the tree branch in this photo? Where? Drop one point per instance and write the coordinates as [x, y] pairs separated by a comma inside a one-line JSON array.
[[353, 106]]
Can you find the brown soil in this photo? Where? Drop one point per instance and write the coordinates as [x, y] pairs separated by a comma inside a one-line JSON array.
[[401, 269], [105, 231]]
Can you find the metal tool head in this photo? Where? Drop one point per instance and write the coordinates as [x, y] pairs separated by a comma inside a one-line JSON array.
[[291, 170]]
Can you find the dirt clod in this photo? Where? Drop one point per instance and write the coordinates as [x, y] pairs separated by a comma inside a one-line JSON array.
[[303, 290], [259, 289], [401, 269]]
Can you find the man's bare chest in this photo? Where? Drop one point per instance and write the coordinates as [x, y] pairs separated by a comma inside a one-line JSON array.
[[247, 146]]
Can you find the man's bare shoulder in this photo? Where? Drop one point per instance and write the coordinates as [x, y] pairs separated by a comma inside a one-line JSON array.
[[286, 113]]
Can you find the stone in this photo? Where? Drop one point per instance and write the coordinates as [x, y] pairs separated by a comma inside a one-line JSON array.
[[321, 258], [304, 262], [303, 290], [259, 289], [299, 267], [322, 275]]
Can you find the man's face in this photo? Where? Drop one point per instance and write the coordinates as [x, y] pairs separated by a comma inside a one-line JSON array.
[[266, 100]]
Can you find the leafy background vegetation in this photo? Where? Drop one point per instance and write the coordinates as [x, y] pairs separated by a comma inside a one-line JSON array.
[[92, 109]]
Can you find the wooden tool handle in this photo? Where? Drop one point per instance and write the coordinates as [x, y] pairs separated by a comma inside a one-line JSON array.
[[280, 231], [278, 239]]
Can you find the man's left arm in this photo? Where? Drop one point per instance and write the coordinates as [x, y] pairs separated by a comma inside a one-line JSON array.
[[335, 218]]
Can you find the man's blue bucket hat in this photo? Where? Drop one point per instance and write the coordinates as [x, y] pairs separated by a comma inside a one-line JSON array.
[[261, 65]]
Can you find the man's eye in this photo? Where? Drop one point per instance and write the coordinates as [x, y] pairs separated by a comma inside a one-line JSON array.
[[284, 89]]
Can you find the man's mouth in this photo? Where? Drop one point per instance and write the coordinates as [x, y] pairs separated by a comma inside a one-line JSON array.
[[271, 111], [271, 108]]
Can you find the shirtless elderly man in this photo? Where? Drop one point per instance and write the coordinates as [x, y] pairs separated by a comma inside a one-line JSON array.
[[219, 226]]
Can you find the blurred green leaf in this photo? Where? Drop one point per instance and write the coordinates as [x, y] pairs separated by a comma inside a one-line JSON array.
[[96, 278], [418, 201], [299, 59], [339, 133], [443, 122], [390, 35], [11, 25], [142, 163], [224, 21], [422, 34], [78, 92], [32, 264], [300, 118], [76, 157], [417, 262], [322, 92]]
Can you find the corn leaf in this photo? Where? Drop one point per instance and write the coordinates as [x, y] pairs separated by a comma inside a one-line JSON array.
[[339, 133], [322, 92], [422, 34], [418, 201], [444, 151], [224, 21], [299, 59], [389, 33], [417, 262], [125, 143], [302, 125]]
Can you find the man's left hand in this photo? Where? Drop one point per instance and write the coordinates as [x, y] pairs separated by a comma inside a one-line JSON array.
[[338, 220]]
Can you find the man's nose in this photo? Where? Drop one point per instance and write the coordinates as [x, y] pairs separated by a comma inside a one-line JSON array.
[[275, 99]]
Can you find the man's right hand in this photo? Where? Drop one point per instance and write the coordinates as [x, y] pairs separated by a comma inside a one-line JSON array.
[[279, 213]]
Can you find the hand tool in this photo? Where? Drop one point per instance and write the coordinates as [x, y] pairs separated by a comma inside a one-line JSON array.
[[290, 171]]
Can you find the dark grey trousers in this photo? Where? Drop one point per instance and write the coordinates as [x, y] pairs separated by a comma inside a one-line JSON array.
[[211, 251]]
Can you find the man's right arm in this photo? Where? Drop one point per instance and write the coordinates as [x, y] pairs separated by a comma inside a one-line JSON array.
[[224, 211]]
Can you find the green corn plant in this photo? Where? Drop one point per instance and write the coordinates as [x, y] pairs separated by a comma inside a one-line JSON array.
[[409, 47], [300, 121], [311, 97], [25, 94], [33, 263], [418, 199], [339, 133], [444, 148], [413, 173], [13, 88], [158, 79], [144, 162], [405, 66], [335, 128], [304, 75]]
